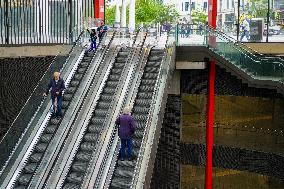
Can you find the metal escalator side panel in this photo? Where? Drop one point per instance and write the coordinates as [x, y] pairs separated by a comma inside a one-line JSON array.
[[59, 172], [30, 137], [130, 98], [54, 147], [147, 153], [95, 167]]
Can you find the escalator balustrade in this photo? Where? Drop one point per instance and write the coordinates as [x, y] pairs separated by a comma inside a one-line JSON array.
[[124, 170], [82, 159], [51, 128]]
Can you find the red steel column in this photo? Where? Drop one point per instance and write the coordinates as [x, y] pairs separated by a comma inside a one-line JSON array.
[[99, 9], [212, 17]]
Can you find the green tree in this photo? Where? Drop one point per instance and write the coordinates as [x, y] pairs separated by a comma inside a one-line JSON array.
[[198, 16], [147, 12]]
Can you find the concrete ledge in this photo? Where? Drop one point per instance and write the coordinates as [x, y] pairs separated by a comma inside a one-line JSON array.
[[187, 65], [32, 51]]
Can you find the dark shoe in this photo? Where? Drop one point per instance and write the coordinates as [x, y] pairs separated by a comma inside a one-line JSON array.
[[131, 158], [121, 159], [53, 115]]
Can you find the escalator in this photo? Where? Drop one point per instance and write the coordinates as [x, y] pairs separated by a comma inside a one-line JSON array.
[[52, 126], [124, 170], [90, 138]]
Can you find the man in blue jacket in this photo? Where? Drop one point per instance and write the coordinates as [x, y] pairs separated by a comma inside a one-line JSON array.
[[57, 86], [126, 128]]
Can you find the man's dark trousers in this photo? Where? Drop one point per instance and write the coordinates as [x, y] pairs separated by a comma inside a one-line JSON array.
[[125, 142]]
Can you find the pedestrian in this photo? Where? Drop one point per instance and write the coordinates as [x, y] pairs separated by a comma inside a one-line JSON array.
[[93, 39], [245, 29], [57, 86], [126, 128], [102, 29]]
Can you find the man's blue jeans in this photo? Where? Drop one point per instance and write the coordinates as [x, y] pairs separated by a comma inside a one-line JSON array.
[[125, 142], [59, 105]]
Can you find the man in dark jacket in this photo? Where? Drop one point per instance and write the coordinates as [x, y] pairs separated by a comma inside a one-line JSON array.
[[102, 29], [126, 128], [57, 86]]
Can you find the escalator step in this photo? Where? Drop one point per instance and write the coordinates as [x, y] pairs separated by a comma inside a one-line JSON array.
[[30, 168], [151, 70], [148, 82], [140, 126], [54, 121], [106, 98], [95, 128], [36, 157], [140, 110], [104, 105], [118, 65], [153, 64], [120, 183], [125, 163], [101, 113], [125, 173], [147, 88], [123, 54], [150, 76], [138, 134], [91, 137], [143, 102], [79, 166], [78, 76], [88, 146], [71, 186], [112, 83], [46, 138], [116, 71], [97, 121], [20, 187], [75, 177], [74, 83], [121, 59], [67, 97], [155, 58], [144, 95], [24, 179], [114, 77], [137, 142], [41, 147], [84, 64], [81, 70], [140, 118], [65, 104], [83, 156], [109, 90], [51, 129], [70, 90], [157, 52]]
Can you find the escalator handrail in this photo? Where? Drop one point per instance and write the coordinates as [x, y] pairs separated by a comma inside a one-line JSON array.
[[246, 48], [150, 117], [28, 102]]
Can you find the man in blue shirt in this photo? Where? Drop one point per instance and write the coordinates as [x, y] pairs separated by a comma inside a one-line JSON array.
[[57, 86]]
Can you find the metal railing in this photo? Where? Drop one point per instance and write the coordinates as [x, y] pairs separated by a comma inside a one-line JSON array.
[[41, 21]]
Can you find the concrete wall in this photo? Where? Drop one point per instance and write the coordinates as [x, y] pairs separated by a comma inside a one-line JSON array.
[[33, 51]]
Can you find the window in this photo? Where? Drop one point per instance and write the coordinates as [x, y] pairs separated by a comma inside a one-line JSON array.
[[181, 6], [205, 6], [186, 7], [228, 4], [220, 7], [192, 5]]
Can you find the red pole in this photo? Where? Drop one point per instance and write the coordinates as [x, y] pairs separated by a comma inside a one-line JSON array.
[[99, 9], [212, 17], [209, 125]]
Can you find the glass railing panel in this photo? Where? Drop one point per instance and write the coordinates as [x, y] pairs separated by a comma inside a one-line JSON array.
[[190, 35], [248, 62]]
